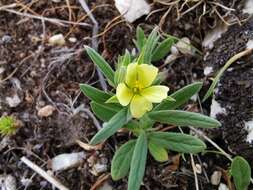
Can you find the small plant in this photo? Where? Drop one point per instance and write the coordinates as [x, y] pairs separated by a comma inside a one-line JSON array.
[[136, 103], [7, 125]]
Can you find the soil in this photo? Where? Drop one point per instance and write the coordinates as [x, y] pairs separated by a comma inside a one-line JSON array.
[[40, 74]]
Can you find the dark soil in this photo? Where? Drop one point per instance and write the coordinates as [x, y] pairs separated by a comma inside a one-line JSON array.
[[40, 75]]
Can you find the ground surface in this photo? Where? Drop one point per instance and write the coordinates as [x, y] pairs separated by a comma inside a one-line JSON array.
[[39, 74]]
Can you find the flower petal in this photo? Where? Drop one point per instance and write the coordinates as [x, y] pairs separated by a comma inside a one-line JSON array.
[[156, 93], [139, 106], [131, 75], [124, 94], [146, 74]]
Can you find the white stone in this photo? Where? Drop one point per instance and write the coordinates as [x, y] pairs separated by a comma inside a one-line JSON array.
[[208, 70], [249, 128], [56, 1], [57, 39], [184, 46], [214, 35], [132, 9], [66, 161], [222, 186], [216, 177], [105, 186], [13, 101], [249, 44], [98, 168], [8, 182], [248, 8], [216, 109], [46, 111], [72, 39]]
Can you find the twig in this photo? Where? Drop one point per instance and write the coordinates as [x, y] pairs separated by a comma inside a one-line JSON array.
[[194, 172], [94, 40], [44, 174], [52, 20]]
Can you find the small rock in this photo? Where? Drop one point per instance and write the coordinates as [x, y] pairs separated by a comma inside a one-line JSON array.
[[26, 181], [198, 168], [72, 40], [13, 101], [66, 161], [46, 111], [184, 46], [7, 182], [248, 8], [98, 168], [57, 39], [222, 186], [6, 39], [105, 186], [56, 1], [132, 10], [215, 177]]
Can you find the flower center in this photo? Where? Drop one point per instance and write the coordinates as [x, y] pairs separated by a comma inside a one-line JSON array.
[[137, 88]]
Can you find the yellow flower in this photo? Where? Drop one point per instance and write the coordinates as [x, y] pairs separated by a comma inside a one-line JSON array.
[[137, 91]]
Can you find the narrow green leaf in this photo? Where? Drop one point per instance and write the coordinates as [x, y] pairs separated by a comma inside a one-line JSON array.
[[140, 38], [113, 99], [104, 111], [241, 172], [159, 153], [181, 96], [138, 163], [147, 51], [104, 67], [111, 127], [177, 142], [163, 49], [126, 59], [94, 93], [121, 160], [184, 118], [120, 75]]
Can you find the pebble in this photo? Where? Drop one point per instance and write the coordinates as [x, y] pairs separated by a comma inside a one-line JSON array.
[[8, 182], [57, 39], [216, 177], [184, 46], [66, 161], [105, 186], [132, 10], [13, 101], [98, 168], [46, 111], [72, 40], [222, 186]]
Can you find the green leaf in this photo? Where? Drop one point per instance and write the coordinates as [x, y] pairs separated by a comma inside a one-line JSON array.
[[159, 153], [94, 93], [111, 127], [105, 111], [120, 75], [138, 163], [126, 59], [121, 160], [181, 96], [241, 172], [140, 38], [184, 118], [147, 51], [104, 67], [163, 49], [160, 77], [113, 99], [177, 142]]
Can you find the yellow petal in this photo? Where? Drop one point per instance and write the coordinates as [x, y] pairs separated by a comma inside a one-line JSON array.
[[155, 94], [124, 94], [146, 74], [131, 75], [139, 106]]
